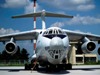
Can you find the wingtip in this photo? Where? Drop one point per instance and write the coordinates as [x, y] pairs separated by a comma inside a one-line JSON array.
[[12, 17], [71, 16]]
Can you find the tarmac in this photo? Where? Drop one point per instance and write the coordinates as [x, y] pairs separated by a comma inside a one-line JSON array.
[[77, 70]]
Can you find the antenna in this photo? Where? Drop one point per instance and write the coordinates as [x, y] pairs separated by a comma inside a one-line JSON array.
[[34, 6], [34, 22]]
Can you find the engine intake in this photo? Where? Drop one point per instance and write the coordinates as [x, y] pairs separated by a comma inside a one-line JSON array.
[[88, 47], [11, 47]]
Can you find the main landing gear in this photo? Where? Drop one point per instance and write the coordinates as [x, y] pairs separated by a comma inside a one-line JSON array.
[[49, 67], [58, 67]]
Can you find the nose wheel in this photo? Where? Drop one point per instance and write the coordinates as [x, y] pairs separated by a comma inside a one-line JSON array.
[[52, 68]]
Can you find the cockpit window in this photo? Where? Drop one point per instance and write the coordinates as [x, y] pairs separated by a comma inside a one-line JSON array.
[[50, 33], [56, 32], [45, 33], [60, 32]]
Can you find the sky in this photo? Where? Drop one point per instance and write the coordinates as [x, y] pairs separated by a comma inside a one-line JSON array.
[[86, 16]]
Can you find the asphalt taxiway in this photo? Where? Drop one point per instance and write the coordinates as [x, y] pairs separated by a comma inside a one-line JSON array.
[[77, 70]]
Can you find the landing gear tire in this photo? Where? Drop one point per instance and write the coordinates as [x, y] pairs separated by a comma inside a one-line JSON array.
[[59, 67], [27, 66], [52, 68], [66, 66]]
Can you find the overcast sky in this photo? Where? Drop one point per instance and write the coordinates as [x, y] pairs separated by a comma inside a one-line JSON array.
[[86, 16]]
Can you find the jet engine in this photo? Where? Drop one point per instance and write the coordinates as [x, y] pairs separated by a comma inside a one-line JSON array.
[[88, 47], [99, 51], [11, 47]]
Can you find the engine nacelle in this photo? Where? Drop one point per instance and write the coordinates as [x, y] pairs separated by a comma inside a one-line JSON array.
[[99, 51], [11, 47], [88, 47]]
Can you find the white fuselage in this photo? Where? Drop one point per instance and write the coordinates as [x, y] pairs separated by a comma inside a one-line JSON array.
[[52, 45]]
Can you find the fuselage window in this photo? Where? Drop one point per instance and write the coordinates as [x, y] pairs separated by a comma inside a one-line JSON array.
[[40, 32]]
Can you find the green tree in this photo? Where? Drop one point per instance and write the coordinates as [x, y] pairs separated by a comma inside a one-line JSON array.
[[21, 55], [0, 55], [17, 55], [24, 55], [5, 56]]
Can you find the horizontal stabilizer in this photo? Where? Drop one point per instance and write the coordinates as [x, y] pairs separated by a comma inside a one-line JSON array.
[[27, 15], [43, 13]]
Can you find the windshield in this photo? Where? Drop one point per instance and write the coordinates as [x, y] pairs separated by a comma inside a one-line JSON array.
[[54, 33]]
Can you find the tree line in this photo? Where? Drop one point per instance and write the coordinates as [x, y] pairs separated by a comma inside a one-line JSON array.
[[21, 55]]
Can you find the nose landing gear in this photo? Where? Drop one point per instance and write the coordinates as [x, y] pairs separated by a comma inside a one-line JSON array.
[[32, 66]]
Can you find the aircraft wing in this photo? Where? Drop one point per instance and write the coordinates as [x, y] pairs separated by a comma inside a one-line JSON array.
[[77, 36], [26, 35], [46, 14]]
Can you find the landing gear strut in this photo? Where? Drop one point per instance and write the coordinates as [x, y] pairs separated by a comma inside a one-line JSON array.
[[31, 66]]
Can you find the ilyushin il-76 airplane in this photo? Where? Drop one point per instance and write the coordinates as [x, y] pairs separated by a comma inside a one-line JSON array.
[[52, 44]]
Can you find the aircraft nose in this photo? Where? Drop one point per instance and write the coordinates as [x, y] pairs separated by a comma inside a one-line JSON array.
[[56, 42], [56, 50]]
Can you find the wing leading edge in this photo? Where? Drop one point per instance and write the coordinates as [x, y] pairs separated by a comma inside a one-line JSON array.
[[46, 14], [27, 35], [77, 36]]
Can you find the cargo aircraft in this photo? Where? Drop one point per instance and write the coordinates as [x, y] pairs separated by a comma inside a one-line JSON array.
[[52, 44]]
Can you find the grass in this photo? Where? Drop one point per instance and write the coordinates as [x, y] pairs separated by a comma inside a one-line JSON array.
[[22, 64], [11, 64], [92, 63]]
